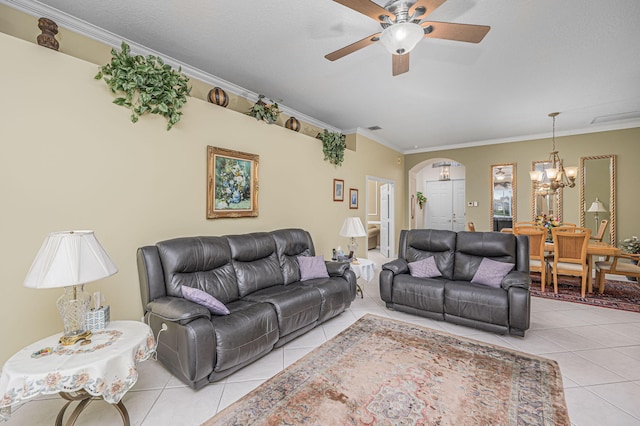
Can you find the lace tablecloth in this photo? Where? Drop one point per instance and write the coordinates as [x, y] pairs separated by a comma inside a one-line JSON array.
[[365, 269], [105, 368]]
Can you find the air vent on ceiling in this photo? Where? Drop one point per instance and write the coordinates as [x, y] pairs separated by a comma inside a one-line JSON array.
[[616, 117], [374, 128]]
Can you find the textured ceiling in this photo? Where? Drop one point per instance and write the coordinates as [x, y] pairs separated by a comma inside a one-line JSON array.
[[579, 57]]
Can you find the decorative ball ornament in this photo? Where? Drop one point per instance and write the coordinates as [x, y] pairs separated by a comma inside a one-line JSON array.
[[48, 37], [292, 124], [218, 96]]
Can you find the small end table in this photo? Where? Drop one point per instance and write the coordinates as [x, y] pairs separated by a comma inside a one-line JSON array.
[[102, 369], [365, 269]]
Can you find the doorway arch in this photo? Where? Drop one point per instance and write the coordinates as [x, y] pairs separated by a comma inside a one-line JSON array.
[[430, 171]]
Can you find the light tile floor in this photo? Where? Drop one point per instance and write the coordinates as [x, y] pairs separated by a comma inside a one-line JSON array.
[[598, 350]]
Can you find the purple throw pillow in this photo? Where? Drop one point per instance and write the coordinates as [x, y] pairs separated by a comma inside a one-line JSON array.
[[205, 299], [491, 272], [312, 267], [425, 268]]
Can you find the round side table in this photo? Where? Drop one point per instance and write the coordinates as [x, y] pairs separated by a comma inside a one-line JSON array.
[[365, 269], [102, 369]]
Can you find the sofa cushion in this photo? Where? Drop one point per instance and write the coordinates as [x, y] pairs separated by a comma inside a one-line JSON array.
[[205, 299], [248, 331], [491, 272], [473, 247], [255, 261], [296, 306], [312, 267], [335, 293], [426, 294], [425, 268], [199, 262], [476, 302], [291, 243], [423, 243]]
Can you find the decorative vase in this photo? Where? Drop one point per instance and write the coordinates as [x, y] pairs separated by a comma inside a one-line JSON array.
[[48, 37], [218, 96], [292, 124]]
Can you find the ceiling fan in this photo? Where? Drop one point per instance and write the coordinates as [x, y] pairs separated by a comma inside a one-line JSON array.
[[403, 28]]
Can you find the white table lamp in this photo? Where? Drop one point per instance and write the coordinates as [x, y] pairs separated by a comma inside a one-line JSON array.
[[597, 207], [352, 228], [70, 259]]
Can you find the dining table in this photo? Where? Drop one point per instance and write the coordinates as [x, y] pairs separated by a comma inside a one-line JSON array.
[[594, 248]]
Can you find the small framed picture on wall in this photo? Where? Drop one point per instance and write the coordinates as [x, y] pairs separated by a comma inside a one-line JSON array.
[[353, 198], [338, 190]]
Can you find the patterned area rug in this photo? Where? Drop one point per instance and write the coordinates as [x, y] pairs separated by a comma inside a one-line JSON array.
[[381, 371], [623, 295]]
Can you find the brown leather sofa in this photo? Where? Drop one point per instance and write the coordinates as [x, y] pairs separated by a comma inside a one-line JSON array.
[[373, 234], [453, 297], [257, 277]]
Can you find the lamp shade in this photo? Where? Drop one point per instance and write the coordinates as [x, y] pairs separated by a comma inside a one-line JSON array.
[[352, 227], [597, 207], [401, 38], [69, 258]]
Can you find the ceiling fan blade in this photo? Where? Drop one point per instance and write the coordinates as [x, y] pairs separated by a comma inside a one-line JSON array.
[[457, 32], [353, 47], [366, 7], [400, 64], [429, 5]]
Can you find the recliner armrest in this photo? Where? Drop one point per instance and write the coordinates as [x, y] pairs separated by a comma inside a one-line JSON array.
[[397, 266], [178, 310], [336, 269], [516, 279]]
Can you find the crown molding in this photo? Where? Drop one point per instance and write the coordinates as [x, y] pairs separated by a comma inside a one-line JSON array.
[[37, 9]]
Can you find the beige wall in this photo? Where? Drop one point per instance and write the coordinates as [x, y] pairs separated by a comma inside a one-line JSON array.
[[71, 159], [625, 144]]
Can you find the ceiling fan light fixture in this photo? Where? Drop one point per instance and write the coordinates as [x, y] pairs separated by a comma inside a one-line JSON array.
[[401, 38]]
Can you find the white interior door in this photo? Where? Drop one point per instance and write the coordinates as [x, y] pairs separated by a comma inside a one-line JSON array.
[[445, 206], [459, 221], [384, 220], [439, 205]]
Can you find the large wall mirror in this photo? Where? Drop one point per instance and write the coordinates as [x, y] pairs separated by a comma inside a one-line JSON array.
[[598, 194], [541, 201], [503, 196]]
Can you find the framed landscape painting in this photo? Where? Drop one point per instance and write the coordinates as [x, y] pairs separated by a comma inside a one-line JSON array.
[[338, 190], [353, 198], [232, 183]]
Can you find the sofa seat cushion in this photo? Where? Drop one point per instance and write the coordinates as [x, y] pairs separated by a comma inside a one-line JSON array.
[[296, 305], [336, 295], [250, 329], [426, 294], [476, 302]]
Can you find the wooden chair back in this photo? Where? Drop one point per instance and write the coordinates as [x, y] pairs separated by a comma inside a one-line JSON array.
[[471, 226], [537, 236], [526, 224], [600, 234], [570, 244]]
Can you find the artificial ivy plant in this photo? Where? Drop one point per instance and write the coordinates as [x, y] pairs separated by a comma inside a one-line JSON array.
[[147, 83], [333, 146], [264, 111]]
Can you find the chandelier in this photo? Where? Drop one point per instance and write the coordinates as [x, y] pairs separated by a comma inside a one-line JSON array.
[[557, 175]]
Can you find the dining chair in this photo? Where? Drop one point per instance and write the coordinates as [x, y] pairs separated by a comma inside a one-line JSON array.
[[613, 266], [600, 234], [537, 255], [471, 226], [526, 224], [570, 254], [567, 224]]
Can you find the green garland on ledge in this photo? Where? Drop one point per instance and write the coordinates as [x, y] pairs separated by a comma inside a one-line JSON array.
[[148, 84], [333, 146]]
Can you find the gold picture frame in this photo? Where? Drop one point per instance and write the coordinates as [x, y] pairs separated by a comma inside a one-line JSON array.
[[232, 183]]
